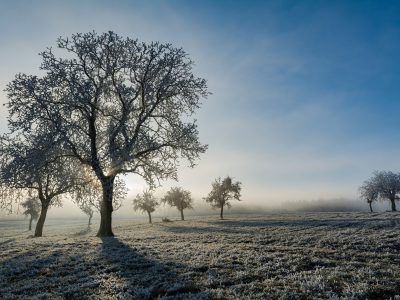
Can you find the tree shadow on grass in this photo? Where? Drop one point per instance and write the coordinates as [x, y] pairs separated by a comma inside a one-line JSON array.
[[83, 232], [145, 276], [6, 242], [91, 269]]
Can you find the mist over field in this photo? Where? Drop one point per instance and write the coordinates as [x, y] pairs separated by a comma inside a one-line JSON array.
[[71, 211]]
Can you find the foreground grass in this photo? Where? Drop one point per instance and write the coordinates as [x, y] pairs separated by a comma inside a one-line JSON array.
[[280, 256]]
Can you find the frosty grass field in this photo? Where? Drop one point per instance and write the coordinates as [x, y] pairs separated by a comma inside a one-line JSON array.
[[275, 256]]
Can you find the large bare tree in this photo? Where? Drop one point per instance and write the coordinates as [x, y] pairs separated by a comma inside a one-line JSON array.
[[145, 202], [179, 198], [223, 191], [119, 105]]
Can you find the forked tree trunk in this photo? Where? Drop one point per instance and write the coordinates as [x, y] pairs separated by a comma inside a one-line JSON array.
[[182, 217], [106, 207], [149, 217], [370, 206], [393, 204], [222, 212], [42, 218], [30, 223]]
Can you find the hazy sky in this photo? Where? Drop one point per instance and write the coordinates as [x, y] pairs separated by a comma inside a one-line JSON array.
[[305, 97]]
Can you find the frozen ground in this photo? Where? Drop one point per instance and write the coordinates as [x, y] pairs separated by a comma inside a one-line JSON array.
[[277, 256]]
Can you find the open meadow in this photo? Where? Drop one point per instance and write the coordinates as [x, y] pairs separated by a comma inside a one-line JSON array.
[[274, 256]]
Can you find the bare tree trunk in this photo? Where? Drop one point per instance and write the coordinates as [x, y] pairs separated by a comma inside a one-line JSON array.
[[222, 212], [42, 218], [149, 217], [30, 223], [393, 204], [370, 206], [106, 207], [182, 217], [90, 218]]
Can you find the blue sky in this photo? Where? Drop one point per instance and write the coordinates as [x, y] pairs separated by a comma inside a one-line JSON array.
[[305, 97]]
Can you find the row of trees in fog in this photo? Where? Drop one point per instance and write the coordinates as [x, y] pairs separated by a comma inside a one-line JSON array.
[[221, 195], [382, 186], [114, 106], [222, 192]]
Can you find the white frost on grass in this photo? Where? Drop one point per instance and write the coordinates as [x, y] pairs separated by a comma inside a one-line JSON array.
[[277, 256]]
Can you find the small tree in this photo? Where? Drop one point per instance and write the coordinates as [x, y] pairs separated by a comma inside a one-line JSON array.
[[222, 193], [145, 203], [179, 198], [369, 191], [88, 210], [32, 209]]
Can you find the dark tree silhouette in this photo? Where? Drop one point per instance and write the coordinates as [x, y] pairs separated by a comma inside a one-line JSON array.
[[179, 198], [223, 191], [118, 107], [145, 203], [32, 209]]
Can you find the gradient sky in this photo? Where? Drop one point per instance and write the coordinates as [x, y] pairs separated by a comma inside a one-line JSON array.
[[305, 100]]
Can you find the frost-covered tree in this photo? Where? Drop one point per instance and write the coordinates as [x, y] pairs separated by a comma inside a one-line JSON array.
[[388, 186], [32, 209], [31, 166], [145, 203], [119, 106], [369, 192], [223, 191], [179, 198]]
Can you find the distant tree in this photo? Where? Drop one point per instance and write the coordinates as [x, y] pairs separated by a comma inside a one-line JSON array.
[[223, 191], [88, 210], [369, 191], [388, 186], [119, 105], [179, 198], [145, 203], [32, 209]]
